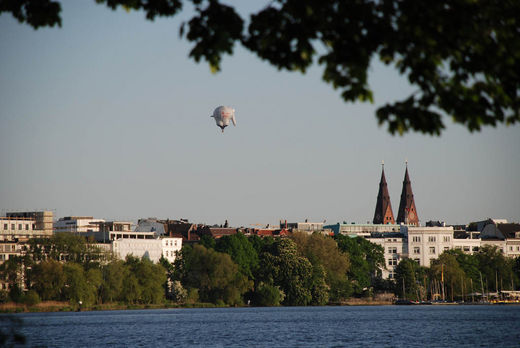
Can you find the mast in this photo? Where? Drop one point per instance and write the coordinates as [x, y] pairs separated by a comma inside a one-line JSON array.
[[442, 282], [472, 293], [481, 284]]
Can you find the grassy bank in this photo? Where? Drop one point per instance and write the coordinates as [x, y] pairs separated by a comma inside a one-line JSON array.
[[55, 306]]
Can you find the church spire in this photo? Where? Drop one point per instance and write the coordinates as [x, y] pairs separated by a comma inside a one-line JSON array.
[[407, 211], [383, 213]]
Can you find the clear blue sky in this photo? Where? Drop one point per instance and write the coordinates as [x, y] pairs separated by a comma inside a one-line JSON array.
[[107, 116]]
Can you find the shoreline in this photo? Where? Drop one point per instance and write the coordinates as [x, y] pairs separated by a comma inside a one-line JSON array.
[[56, 306]]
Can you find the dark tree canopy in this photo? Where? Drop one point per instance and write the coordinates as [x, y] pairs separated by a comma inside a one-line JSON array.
[[461, 56]]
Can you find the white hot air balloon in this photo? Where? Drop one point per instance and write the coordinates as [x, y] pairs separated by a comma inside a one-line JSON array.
[[222, 116]]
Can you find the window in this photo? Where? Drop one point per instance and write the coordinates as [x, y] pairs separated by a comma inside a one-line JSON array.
[[12, 227], [465, 248], [391, 275], [446, 248], [27, 227], [5, 226], [392, 250], [416, 238], [417, 260], [432, 250], [446, 238], [510, 248], [416, 250], [19, 226], [392, 262], [431, 239]]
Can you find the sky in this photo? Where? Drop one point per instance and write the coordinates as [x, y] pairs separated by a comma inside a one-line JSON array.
[[107, 116]]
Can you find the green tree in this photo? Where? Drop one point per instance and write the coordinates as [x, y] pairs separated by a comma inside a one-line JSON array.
[[208, 242], [267, 295], [407, 280], [76, 286], [144, 280], [113, 276], [131, 289], [366, 261], [31, 298], [241, 251], [214, 274], [447, 270], [497, 270], [11, 271], [323, 252], [151, 277], [95, 282], [65, 246], [282, 266], [48, 279], [462, 57]]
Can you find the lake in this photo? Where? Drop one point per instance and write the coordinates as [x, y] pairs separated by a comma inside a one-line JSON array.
[[352, 326]]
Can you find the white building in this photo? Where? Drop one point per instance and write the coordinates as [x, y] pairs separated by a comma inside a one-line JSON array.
[[302, 226], [78, 224], [21, 226], [395, 248], [364, 230], [152, 249], [468, 245], [427, 243]]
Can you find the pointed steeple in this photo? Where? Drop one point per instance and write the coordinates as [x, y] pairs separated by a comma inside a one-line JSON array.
[[383, 213], [407, 211]]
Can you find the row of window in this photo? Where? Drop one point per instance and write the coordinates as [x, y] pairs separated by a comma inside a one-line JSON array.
[[8, 247], [431, 239], [21, 227], [170, 253], [392, 262], [171, 242]]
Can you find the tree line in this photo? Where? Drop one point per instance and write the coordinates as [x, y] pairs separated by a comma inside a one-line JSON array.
[[458, 276], [238, 270]]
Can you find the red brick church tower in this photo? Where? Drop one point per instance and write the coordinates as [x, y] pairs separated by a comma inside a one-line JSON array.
[[407, 212], [383, 213]]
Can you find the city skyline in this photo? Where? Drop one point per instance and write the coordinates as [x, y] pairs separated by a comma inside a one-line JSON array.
[[107, 116]]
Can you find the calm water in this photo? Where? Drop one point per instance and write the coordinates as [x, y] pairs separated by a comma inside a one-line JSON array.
[[379, 326]]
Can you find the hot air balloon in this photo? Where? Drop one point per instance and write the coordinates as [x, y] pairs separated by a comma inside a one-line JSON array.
[[222, 115]]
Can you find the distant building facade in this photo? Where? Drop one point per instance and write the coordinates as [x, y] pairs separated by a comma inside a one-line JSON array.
[[21, 226], [82, 225], [152, 249]]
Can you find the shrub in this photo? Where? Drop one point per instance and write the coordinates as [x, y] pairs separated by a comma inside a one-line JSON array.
[[31, 298]]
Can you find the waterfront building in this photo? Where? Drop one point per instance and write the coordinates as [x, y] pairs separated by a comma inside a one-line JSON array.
[[395, 249], [83, 225], [427, 243], [505, 236], [108, 230], [21, 226], [152, 249], [362, 230]]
